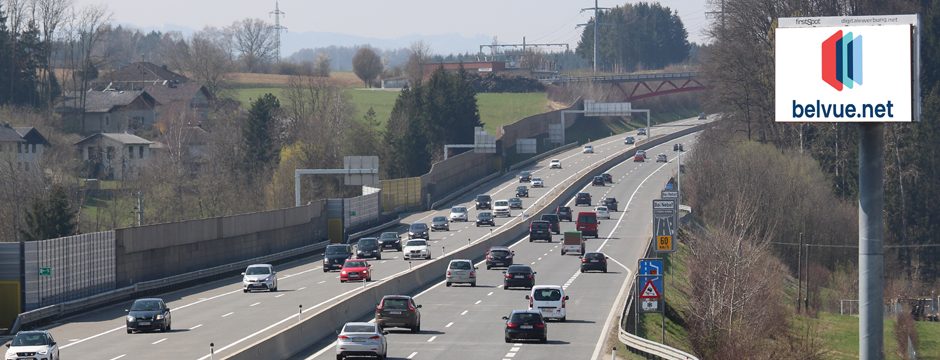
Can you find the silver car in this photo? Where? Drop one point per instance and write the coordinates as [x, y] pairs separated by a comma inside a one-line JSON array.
[[259, 277], [440, 223], [361, 339], [458, 213], [461, 271]]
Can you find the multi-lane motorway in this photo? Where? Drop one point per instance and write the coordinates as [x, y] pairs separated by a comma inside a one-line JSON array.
[[456, 321]]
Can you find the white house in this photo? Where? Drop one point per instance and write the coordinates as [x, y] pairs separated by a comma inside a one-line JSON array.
[[118, 156]]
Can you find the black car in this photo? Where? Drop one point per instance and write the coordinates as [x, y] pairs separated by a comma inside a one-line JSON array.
[[610, 203], [594, 261], [525, 325], [418, 231], [148, 314], [335, 256], [398, 311], [598, 181], [583, 199], [484, 202], [540, 230], [525, 176], [390, 240], [518, 276], [608, 177], [485, 218], [368, 248], [554, 221], [499, 256], [563, 212], [522, 191], [677, 147]]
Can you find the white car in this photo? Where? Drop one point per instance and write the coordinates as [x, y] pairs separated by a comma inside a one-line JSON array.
[[458, 213], [537, 183], [38, 342], [588, 149], [461, 271], [550, 300], [360, 338], [501, 208], [259, 277], [602, 212], [554, 164], [417, 249]]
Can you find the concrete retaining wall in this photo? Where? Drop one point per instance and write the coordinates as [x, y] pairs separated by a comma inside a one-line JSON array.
[[456, 172], [323, 324], [162, 250]]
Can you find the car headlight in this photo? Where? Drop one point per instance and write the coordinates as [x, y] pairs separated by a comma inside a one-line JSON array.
[[43, 352], [343, 272], [159, 317], [130, 318]]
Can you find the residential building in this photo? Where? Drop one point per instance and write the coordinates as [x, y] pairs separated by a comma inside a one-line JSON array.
[[117, 156], [108, 111], [136, 76], [29, 153], [189, 101], [10, 141]]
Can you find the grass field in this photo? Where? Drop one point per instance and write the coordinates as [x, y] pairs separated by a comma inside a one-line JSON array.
[[495, 109]]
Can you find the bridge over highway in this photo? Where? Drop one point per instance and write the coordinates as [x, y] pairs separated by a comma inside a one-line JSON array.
[[637, 86]]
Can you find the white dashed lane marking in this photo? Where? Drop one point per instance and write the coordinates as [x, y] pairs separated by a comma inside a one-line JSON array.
[[195, 327], [412, 355], [158, 341], [226, 315], [464, 313], [255, 304], [449, 324]]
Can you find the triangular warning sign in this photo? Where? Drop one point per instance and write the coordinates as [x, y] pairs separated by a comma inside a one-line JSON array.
[[649, 291]]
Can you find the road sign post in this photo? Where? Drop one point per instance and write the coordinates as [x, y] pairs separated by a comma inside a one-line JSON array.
[[664, 225]]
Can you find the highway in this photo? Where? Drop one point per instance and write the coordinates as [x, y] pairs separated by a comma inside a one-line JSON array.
[[218, 312], [464, 322]]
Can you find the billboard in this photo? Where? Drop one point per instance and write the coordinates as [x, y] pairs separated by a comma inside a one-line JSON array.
[[845, 73]]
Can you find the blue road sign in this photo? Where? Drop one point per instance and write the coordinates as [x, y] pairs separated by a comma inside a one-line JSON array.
[[650, 267]]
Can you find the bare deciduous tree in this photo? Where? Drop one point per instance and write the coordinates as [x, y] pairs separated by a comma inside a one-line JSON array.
[[254, 40], [418, 54], [208, 58]]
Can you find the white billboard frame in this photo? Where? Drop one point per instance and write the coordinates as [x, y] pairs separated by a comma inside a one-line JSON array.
[[850, 22]]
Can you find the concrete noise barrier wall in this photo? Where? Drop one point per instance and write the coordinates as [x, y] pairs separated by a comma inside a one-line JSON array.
[[324, 324]]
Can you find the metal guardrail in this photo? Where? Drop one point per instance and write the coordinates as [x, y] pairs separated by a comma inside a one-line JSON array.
[[638, 344], [542, 156]]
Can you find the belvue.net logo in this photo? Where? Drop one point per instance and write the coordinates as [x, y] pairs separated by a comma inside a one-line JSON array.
[[842, 60], [842, 68]]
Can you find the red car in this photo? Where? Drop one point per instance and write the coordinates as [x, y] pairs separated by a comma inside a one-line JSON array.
[[355, 270], [639, 158]]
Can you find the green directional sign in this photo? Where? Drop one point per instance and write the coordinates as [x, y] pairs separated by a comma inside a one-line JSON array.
[[45, 271]]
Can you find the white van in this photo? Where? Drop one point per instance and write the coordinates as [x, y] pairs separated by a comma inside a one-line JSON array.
[[550, 300]]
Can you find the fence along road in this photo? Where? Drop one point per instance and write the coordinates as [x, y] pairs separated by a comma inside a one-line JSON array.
[[217, 312], [467, 321]]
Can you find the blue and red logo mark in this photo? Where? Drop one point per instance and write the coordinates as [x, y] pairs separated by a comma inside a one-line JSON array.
[[842, 60]]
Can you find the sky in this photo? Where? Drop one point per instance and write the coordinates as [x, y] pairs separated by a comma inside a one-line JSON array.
[[449, 26]]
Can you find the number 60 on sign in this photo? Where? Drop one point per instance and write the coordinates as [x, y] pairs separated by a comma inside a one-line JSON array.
[[664, 243]]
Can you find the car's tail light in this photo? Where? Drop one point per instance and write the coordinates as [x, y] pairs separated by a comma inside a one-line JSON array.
[[532, 276], [473, 274], [540, 325], [509, 276], [530, 303], [376, 337], [343, 337], [411, 308], [448, 272], [512, 325], [379, 308], [584, 260], [563, 302]]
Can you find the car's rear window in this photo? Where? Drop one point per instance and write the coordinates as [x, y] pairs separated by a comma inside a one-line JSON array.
[[359, 329], [550, 217], [587, 219], [461, 265], [395, 304], [526, 318], [540, 225], [592, 256], [499, 253], [547, 295], [519, 269]]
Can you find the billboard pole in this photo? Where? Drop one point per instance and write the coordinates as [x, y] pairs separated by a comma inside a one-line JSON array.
[[870, 241]]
